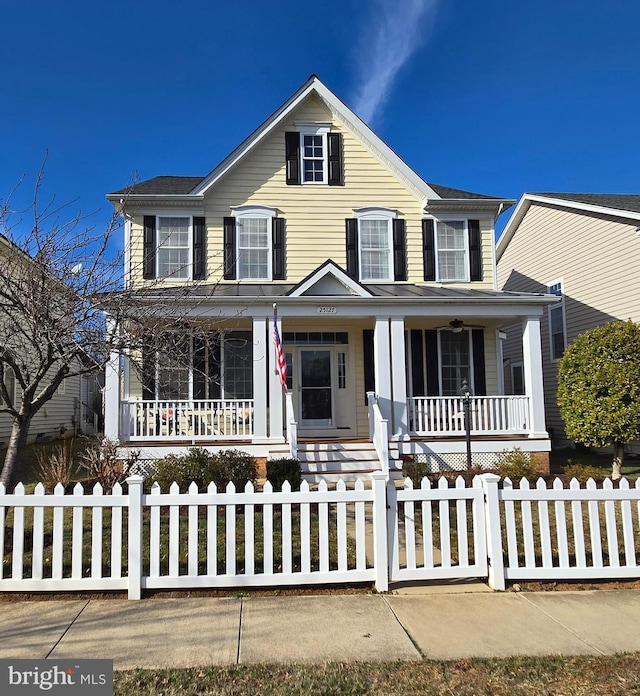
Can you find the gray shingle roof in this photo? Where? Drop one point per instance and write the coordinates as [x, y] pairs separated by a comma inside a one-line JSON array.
[[619, 201], [457, 194], [164, 186]]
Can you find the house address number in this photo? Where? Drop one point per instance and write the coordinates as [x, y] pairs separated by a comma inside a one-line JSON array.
[[327, 310]]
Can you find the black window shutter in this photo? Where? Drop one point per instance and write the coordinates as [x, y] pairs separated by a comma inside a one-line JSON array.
[[417, 363], [215, 382], [352, 247], [148, 369], [229, 248], [199, 368], [149, 247], [475, 250], [433, 371], [367, 354], [199, 250], [278, 249], [428, 250], [479, 375], [292, 156], [399, 250], [334, 144]]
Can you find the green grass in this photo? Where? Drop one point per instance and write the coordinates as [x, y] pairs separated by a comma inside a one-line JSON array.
[[517, 676], [560, 458]]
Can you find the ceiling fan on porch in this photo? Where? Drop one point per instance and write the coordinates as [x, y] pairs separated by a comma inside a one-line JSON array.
[[456, 325]]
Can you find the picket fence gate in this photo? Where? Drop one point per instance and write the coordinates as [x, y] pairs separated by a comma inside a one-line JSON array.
[[373, 533]]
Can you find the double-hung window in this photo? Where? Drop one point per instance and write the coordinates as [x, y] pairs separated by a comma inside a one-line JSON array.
[[174, 247], [253, 242], [10, 384], [455, 361], [313, 154], [173, 257], [557, 330], [376, 245], [452, 250]]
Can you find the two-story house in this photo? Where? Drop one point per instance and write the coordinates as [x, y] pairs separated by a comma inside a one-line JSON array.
[[386, 296], [584, 248]]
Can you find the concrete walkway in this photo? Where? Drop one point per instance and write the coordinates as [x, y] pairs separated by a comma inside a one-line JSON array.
[[446, 622]]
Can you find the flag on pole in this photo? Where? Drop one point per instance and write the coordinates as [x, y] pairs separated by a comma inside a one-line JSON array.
[[281, 363]]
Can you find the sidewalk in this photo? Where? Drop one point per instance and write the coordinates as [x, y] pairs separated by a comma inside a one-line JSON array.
[[431, 623]]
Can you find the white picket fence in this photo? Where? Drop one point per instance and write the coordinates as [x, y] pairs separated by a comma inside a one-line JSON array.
[[367, 533]]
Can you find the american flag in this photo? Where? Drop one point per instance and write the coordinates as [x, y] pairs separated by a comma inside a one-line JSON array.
[[280, 360]]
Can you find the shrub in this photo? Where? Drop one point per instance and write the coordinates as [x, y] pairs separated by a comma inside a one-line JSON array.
[[201, 467], [582, 472], [284, 469], [515, 464], [56, 465], [233, 465], [104, 465], [414, 470]]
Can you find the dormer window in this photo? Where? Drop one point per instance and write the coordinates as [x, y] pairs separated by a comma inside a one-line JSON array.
[[313, 155]]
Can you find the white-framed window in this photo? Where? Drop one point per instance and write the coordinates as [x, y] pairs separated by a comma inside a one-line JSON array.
[[452, 250], [10, 383], [517, 378], [173, 257], [173, 367], [375, 243], [313, 152], [237, 365], [254, 239], [557, 326], [455, 361]]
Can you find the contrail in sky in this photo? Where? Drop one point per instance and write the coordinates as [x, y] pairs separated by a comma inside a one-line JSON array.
[[393, 32]]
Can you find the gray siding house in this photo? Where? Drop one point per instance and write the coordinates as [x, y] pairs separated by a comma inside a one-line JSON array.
[[584, 248]]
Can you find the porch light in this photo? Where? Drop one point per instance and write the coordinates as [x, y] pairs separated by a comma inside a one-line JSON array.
[[456, 325], [467, 396]]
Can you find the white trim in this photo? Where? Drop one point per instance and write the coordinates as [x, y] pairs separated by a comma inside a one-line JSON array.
[[331, 270], [255, 212], [445, 219], [559, 304], [347, 118], [377, 214], [189, 266]]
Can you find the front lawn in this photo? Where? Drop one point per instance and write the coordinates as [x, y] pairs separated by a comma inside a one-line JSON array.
[[561, 458]]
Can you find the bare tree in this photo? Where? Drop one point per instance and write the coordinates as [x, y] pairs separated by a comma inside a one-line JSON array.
[[57, 279]]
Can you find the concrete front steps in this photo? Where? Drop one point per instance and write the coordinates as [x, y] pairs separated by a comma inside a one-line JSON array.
[[348, 460]]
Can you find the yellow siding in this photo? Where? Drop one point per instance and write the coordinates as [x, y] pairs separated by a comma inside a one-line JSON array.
[[315, 214]]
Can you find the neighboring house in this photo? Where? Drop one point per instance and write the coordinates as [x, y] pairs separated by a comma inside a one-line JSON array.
[[584, 248], [386, 302], [61, 414]]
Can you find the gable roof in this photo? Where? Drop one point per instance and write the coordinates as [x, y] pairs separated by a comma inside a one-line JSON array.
[[616, 204], [196, 187]]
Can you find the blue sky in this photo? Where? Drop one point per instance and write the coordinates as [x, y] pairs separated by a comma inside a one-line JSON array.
[[498, 97]]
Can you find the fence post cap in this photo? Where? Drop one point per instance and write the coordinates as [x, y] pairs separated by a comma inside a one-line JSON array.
[[380, 476], [490, 478], [134, 478]]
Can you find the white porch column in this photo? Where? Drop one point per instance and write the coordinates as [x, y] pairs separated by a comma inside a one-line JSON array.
[[111, 398], [382, 366], [399, 378], [532, 366], [276, 393], [260, 369]]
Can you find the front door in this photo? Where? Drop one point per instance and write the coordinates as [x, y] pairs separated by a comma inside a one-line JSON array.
[[316, 388]]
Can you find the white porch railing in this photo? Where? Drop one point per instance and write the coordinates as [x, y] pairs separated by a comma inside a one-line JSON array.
[[189, 420], [490, 415]]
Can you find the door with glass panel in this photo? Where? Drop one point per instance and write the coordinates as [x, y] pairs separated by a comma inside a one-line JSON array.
[[316, 387]]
